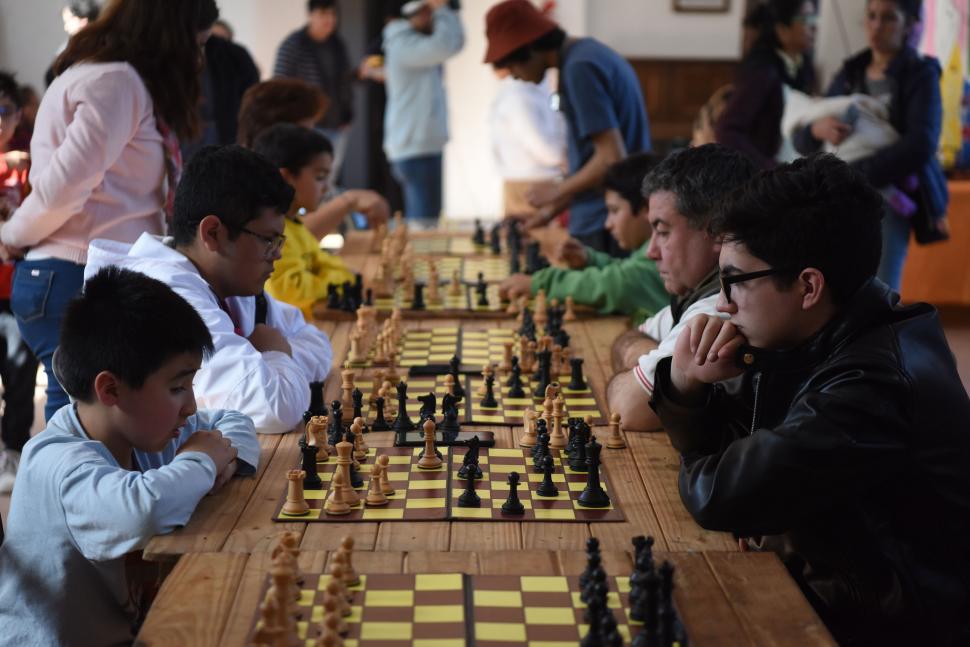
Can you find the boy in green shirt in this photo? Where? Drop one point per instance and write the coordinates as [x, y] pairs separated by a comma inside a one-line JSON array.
[[629, 285]]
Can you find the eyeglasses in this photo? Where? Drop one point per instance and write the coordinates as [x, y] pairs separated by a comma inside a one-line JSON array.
[[274, 243], [728, 280]]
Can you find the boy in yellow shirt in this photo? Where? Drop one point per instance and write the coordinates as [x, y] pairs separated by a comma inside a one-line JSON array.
[[305, 159]]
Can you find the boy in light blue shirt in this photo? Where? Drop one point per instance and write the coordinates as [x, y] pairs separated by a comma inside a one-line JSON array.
[[128, 459]]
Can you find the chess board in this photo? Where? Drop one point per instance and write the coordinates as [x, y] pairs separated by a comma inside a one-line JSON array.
[[493, 269], [448, 245], [431, 495], [462, 304], [456, 609], [434, 348], [510, 411]]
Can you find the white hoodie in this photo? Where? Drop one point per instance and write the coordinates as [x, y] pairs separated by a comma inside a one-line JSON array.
[[272, 388]]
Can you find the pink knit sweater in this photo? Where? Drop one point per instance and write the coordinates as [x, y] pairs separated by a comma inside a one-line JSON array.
[[98, 166]]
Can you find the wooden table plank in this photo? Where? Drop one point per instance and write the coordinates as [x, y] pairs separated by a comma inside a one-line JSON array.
[[450, 562], [659, 467], [768, 602], [520, 562], [194, 602], [703, 606], [216, 516]]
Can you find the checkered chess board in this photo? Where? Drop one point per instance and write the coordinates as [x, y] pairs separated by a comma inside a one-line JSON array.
[[453, 245], [432, 495], [494, 269], [436, 347], [455, 609]]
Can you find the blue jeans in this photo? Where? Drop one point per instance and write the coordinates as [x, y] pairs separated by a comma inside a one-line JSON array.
[[895, 245], [420, 179], [41, 292]]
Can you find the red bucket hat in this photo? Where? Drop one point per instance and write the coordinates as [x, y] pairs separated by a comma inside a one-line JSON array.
[[511, 24]]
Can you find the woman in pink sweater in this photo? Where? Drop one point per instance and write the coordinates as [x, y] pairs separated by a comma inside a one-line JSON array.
[[105, 154]]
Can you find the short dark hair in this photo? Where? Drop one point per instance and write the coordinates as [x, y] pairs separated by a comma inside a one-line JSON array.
[[230, 182], [10, 87], [291, 147], [815, 212], [626, 177], [127, 323], [912, 8], [85, 9], [549, 41], [312, 5], [701, 178], [776, 12]]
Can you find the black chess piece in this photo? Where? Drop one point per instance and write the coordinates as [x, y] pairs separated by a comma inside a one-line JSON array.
[[403, 422], [449, 414], [482, 288], [542, 444], [512, 371], [317, 407], [312, 479], [526, 322], [532, 258], [596, 608], [572, 425], [469, 462], [358, 288], [333, 297], [515, 267], [593, 561], [357, 397], [380, 423], [576, 380], [651, 608], [540, 430], [347, 298], [547, 487], [356, 480], [469, 498], [478, 238], [336, 428], [495, 239], [593, 495], [516, 389], [667, 614], [609, 632], [428, 406], [489, 400], [561, 338], [578, 462], [512, 504], [642, 565], [454, 366], [543, 377], [369, 300], [417, 301]]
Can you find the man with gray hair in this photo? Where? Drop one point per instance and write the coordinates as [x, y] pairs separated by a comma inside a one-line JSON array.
[[684, 193]]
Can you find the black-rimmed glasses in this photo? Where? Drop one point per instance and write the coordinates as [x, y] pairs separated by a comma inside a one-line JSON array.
[[274, 243], [728, 280]]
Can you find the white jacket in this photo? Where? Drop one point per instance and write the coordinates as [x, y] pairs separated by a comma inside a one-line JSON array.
[[272, 388]]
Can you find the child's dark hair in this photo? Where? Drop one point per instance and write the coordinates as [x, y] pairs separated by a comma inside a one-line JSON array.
[[626, 177], [551, 40], [89, 9], [12, 89], [815, 212], [126, 323], [312, 5], [291, 147], [230, 182]]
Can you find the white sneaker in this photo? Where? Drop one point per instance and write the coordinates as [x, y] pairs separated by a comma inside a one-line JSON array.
[[9, 462]]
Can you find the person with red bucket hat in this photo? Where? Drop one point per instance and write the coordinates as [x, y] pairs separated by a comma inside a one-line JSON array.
[[600, 97]]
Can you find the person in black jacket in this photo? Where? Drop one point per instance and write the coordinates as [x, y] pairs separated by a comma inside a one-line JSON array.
[[909, 83], [780, 57], [823, 420]]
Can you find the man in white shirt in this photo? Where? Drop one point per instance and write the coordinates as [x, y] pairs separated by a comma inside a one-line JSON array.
[[684, 193], [227, 234]]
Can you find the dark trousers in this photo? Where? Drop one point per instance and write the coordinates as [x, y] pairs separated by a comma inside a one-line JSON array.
[[18, 371]]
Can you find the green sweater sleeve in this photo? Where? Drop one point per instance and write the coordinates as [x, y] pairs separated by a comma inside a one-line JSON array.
[[625, 286], [596, 258]]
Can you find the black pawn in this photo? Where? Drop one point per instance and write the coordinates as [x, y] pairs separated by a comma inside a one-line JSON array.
[[495, 239], [358, 399], [333, 297], [542, 444], [469, 498], [576, 381], [356, 480], [543, 377], [454, 365], [515, 387], [489, 400], [380, 423], [312, 480], [359, 288], [512, 504], [417, 302], [578, 462], [369, 300], [482, 288], [593, 561], [609, 632], [479, 236], [666, 615], [596, 596], [593, 495], [515, 267], [547, 487], [336, 423], [513, 375]]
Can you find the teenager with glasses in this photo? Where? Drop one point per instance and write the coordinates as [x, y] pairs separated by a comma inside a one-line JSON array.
[[823, 420], [227, 234], [779, 59]]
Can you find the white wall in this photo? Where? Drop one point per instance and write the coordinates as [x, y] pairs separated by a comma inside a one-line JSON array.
[[261, 25], [840, 34], [31, 32]]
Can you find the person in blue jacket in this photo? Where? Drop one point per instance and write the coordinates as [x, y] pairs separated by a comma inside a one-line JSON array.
[[893, 71]]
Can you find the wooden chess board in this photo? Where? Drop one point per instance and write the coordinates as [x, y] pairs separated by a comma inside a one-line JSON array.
[[456, 609], [448, 245], [509, 411], [435, 347], [431, 495], [494, 269], [462, 304]]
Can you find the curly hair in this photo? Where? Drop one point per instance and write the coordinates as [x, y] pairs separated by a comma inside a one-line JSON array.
[[278, 101]]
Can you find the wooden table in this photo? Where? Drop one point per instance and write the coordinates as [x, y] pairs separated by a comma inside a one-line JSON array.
[[723, 598]]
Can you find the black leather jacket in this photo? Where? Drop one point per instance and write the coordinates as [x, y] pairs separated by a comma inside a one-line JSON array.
[[854, 448]]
